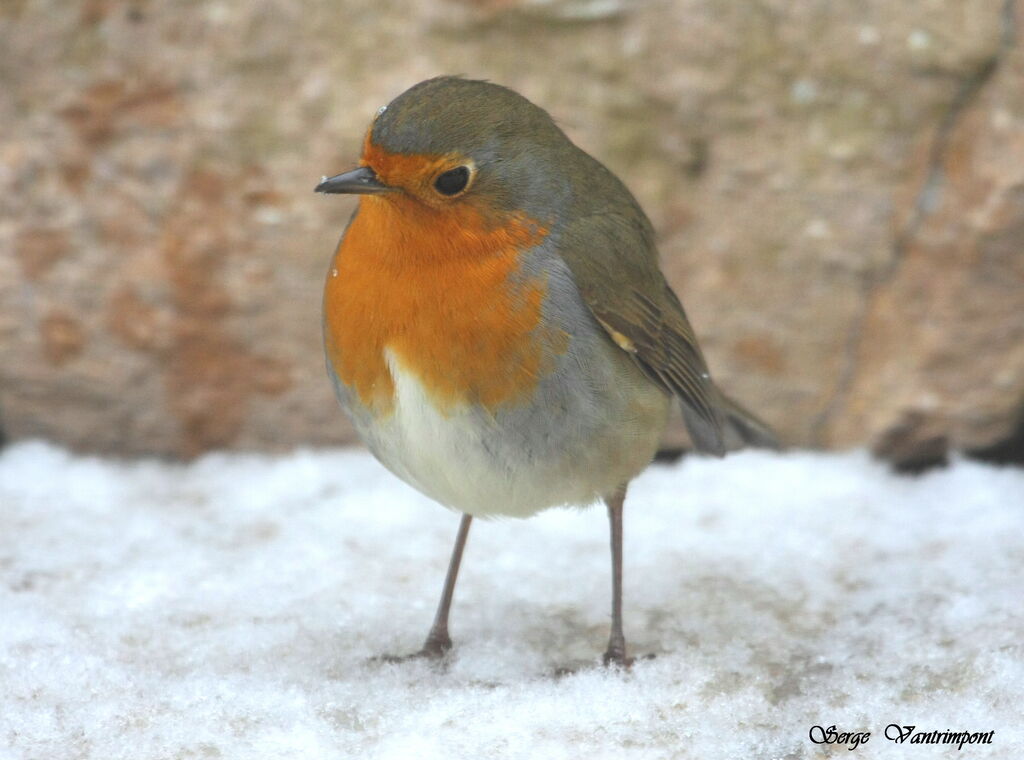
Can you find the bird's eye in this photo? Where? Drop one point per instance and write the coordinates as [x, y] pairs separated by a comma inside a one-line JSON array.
[[453, 181]]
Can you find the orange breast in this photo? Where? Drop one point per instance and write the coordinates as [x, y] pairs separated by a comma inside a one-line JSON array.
[[436, 288]]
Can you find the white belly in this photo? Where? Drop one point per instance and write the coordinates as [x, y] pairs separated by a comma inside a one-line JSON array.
[[573, 448]]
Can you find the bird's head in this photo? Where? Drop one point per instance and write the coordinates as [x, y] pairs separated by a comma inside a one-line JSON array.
[[450, 142]]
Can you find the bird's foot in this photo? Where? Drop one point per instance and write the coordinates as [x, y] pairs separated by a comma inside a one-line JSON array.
[[435, 648], [615, 655], [610, 659], [613, 659]]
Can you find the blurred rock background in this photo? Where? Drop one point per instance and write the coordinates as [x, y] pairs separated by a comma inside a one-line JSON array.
[[838, 189]]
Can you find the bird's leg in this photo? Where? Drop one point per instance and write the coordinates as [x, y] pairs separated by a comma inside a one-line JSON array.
[[438, 641], [616, 654]]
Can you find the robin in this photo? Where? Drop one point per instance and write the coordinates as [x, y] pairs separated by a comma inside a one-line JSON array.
[[496, 325]]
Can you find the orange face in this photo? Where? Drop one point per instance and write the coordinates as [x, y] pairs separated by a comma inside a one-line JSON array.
[[416, 174], [431, 278]]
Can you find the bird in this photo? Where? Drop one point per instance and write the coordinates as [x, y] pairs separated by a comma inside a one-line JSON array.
[[496, 325]]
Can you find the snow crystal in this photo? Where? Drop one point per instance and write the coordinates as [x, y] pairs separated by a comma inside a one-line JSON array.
[[230, 608]]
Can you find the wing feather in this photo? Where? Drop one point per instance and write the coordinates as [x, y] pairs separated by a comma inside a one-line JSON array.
[[614, 264]]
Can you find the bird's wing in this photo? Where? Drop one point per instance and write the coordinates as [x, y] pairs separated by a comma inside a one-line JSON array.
[[614, 263]]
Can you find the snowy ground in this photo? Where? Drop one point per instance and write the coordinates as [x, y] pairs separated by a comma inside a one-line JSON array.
[[228, 609]]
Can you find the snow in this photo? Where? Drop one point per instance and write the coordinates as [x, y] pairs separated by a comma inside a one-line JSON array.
[[229, 609]]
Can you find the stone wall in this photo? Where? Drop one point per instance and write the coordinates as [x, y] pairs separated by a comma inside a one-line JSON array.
[[838, 190]]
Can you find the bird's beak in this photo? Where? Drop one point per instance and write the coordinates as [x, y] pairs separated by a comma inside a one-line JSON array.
[[361, 181]]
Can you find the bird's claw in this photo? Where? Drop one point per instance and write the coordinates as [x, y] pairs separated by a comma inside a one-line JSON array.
[[435, 648]]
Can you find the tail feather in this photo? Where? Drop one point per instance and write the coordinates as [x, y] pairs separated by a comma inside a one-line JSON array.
[[744, 428]]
